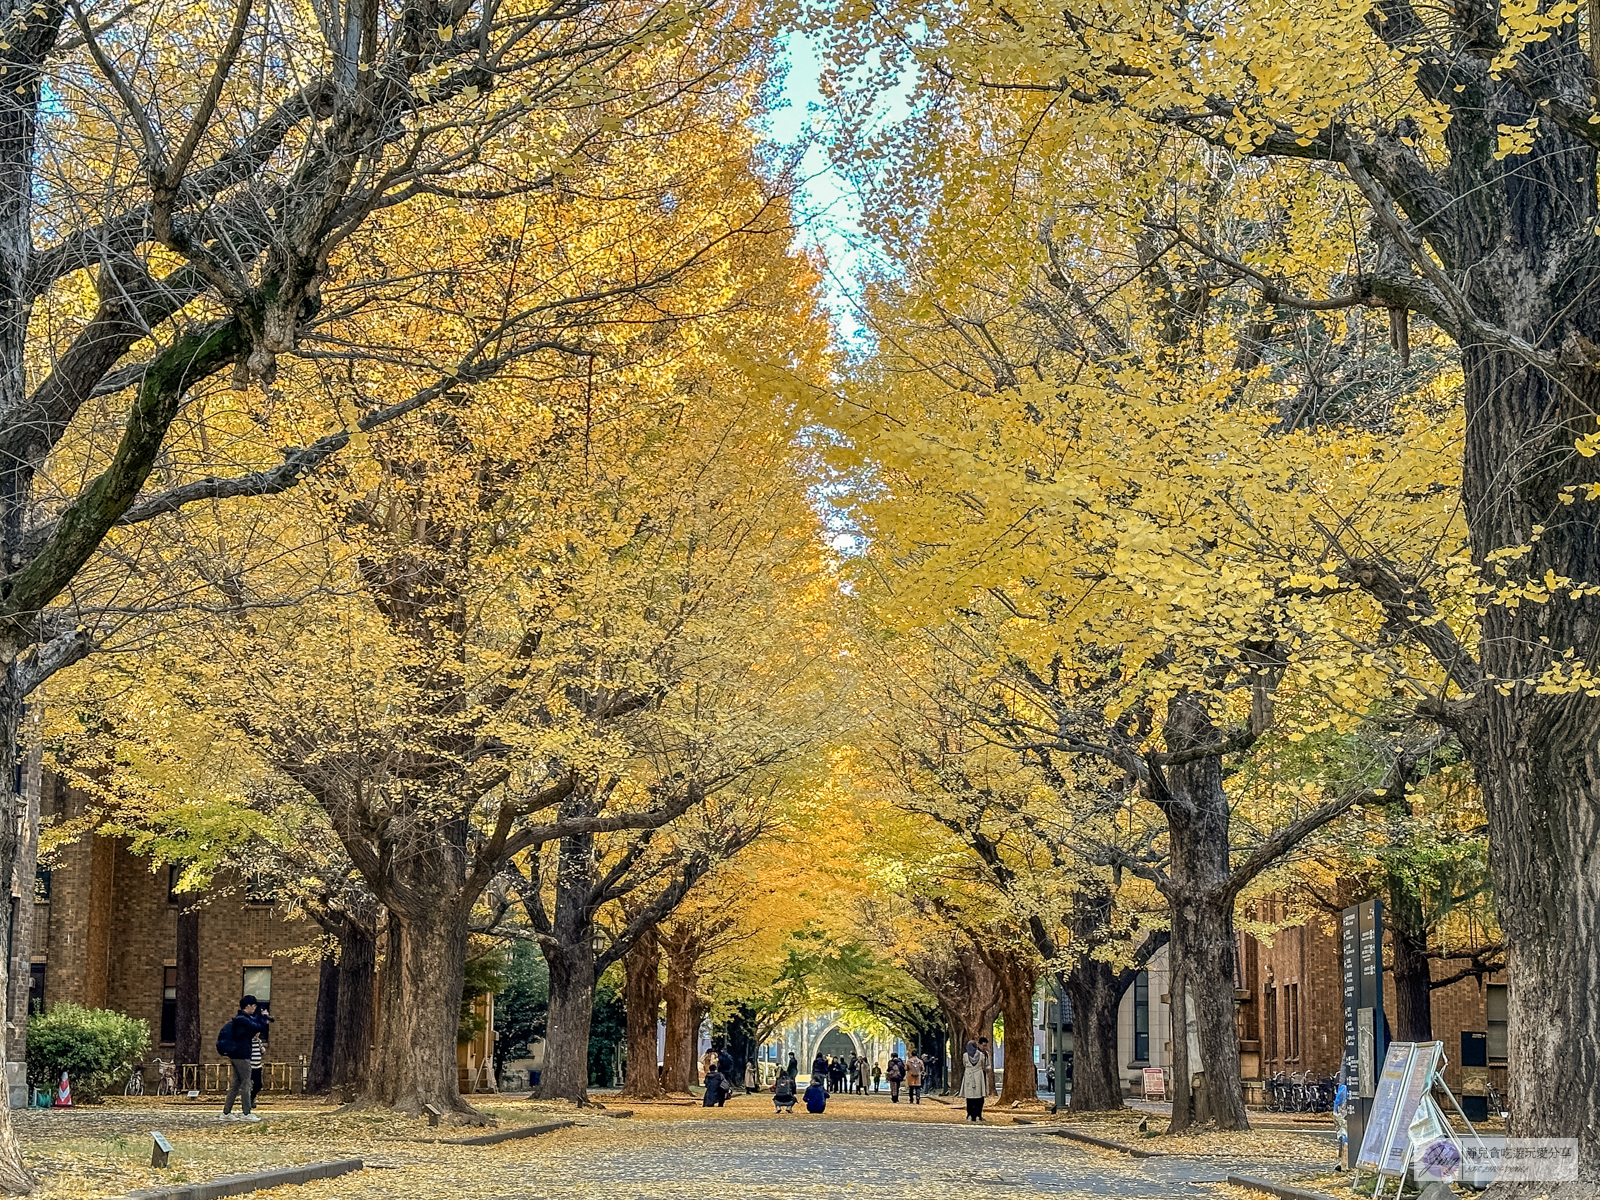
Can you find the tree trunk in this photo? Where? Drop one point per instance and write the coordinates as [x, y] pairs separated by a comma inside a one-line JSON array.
[[683, 981], [566, 1048], [186, 1019], [352, 1037], [1199, 889], [1411, 974], [414, 1063], [1020, 1082], [641, 998], [1095, 990], [319, 1074], [14, 1176], [27, 874]]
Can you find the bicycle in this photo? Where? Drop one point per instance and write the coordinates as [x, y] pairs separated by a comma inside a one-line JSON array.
[[135, 1084], [168, 1072]]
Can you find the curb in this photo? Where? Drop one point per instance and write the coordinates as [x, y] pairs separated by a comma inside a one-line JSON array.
[[499, 1135], [1281, 1190], [238, 1185], [1104, 1144]]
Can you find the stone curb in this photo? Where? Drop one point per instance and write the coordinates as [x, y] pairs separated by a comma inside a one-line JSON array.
[[238, 1185], [499, 1135], [1281, 1190], [1105, 1144]]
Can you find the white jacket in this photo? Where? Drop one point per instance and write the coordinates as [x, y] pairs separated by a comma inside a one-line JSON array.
[[974, 1076]]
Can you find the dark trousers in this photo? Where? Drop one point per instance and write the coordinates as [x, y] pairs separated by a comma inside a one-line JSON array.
[[914, 1093], [894, 1090], [240, 1086], [975, 1109]]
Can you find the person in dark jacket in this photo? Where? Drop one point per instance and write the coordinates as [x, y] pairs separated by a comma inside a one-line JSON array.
[[234, 1044], [816, 1096], [783, 1093], [794, 1067], [716, 1090]]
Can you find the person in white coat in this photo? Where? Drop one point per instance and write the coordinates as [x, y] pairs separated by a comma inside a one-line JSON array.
[[974, 1081]]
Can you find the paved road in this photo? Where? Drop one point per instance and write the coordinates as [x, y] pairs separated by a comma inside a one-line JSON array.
[[778, 1158]]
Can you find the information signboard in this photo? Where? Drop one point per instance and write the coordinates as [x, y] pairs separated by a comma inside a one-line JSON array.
[[1155, 1083], [1398, 1064], [1361, 941]]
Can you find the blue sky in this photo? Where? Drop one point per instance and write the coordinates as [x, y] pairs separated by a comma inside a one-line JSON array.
[[831, 212]]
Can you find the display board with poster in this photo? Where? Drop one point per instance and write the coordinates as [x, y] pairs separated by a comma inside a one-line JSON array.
[[1155, 1083]]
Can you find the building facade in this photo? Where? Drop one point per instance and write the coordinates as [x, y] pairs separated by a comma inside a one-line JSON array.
[[105, 936]]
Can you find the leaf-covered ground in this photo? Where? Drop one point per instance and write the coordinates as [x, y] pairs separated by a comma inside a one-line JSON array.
[[861, 1147]]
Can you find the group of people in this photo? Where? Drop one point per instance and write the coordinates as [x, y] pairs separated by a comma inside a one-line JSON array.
[[908, 1071], [717, 1065], [856, 1075]]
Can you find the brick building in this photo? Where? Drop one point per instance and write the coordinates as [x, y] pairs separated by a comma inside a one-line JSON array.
[[105, 936], [1290, 1015]]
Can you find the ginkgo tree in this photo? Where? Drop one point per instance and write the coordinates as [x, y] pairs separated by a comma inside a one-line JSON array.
[[1457, 147]]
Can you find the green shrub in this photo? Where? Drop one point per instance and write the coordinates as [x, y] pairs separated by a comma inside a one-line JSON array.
[[95, 1046]]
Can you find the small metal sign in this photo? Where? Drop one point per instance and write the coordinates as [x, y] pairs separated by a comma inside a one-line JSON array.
[[434, 1113], [160, 1149]]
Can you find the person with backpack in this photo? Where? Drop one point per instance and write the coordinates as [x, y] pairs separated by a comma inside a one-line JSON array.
[[914, 1079], [895, 1073], [783, 1093], [234, 1042]]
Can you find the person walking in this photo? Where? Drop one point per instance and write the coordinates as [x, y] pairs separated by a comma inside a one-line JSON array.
[[862, 1075], [233, 1043], [974, 1081], [750, 1076], [914, 1079], [794, 1067], [895, 1073], [877, 1077]]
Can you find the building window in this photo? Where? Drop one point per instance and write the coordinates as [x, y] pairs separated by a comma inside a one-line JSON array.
[[1141, 1017], [1291, 1004], [1498, 1012], [173, 872], [36, 987], [259, 890], [258, 983], [169, 1005], [41, 885], [1269, 1022]]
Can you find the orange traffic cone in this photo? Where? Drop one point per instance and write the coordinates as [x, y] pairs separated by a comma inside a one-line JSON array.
[[64, 1092]]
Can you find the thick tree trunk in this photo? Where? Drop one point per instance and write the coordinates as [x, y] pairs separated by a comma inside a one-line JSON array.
[[1019, 1082], [414, 1063], [1544, 808], [641, 998], [1203, 943], [1410, 974], [352, 1037], [683, 981], [1199, 889], [565, 1075], [186, 1021], [14, 1177], [1095, 991], [27, 874], [319, 1073]]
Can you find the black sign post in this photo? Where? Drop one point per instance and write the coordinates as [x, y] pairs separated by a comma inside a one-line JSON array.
[[1361, 942]]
